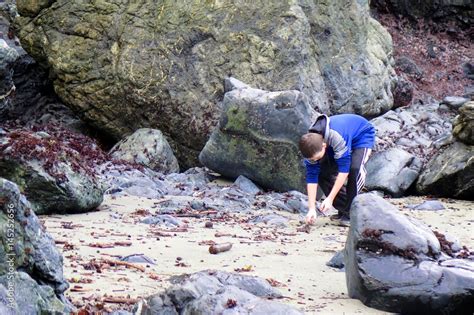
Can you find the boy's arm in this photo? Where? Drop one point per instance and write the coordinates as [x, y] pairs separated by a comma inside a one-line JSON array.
[[343, 164], [312, 174], [312, 189], [340, 179]]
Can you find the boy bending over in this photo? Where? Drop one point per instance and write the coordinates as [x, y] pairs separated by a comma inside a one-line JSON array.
[[336, 148]]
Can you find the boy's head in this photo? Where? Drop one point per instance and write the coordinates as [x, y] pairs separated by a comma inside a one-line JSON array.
[[312, 146]]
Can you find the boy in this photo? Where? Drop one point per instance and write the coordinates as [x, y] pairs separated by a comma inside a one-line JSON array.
[[336, 148]]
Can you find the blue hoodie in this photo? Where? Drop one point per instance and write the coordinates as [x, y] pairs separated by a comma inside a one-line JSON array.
[[342, 133]]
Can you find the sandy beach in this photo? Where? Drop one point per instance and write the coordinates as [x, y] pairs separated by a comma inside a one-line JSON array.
[[294, 261]]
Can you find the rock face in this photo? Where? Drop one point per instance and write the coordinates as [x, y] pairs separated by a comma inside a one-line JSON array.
[[392, 171], [258, 136], [33, 101], [461, 11], [396, 264], [450, 173], [29, 259], [215, 292], [147, 147], [128, 66], [8, 56], [50, 170], [463, 125]]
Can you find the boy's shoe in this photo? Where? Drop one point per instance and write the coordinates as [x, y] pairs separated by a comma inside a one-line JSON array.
[[344, 221], [341, 219], [335, 217]]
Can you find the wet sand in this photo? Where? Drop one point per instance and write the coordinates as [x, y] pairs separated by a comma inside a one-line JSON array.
[[294, 261]]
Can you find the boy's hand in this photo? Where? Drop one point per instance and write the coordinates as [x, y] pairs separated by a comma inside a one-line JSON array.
[[310, 216], [326, 205]]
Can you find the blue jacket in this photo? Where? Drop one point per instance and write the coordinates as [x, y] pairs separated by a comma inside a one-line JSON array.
[[342, 134]]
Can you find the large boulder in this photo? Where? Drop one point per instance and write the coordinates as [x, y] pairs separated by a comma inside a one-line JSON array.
[[392, 171], [450, 173], [215, 292], [258, 136], [395, 263], [147, 147], [55, 169], [127, 66], [463, 125], [461, 11], [29, 259]]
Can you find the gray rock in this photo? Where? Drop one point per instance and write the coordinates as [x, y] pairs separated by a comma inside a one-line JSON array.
[[246, 185], [8, 56], [164, 219], [454, 102], [121, 312], [402, 93], [428, 205], [408, 66], [443, 140], [395, 264], [271, 219], [149, 148], [29, 297], [138, 258], [337, 261], [449, 173], [392, 171], [58, 184], [468, 69], [215, 292], [254, 119], [188, 182], [33, 250], [171, 80], [463, 125]]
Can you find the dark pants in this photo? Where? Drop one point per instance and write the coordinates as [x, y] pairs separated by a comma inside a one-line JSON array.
[[355, 180]]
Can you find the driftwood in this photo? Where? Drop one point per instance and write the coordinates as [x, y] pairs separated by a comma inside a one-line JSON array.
[[120, 300], [123, 263], [219, 248]]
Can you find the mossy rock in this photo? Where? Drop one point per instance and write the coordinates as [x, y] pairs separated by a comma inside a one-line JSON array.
[[258, 136]]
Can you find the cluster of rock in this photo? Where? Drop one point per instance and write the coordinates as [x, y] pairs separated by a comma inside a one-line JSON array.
[[215, 292], [31, 268], [415, 148], [397, 264]]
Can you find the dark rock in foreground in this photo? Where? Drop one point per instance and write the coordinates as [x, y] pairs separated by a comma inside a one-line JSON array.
[[215, 292], [29, 259], [397, 264]]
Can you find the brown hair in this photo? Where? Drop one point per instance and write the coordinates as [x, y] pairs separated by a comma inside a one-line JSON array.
[[310, 144]]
